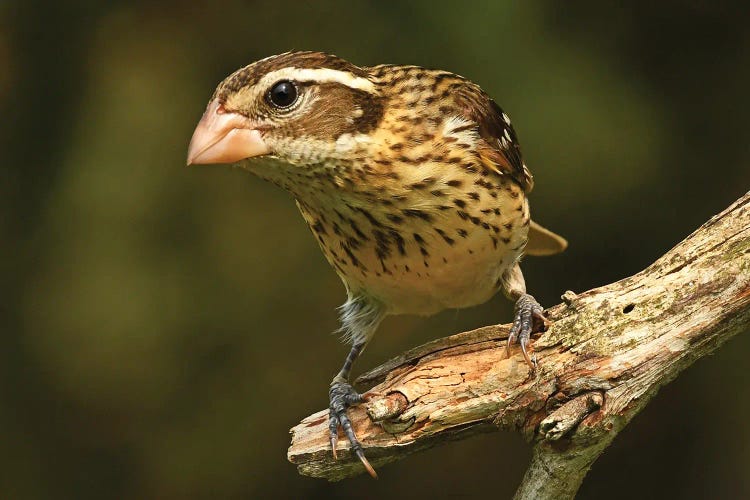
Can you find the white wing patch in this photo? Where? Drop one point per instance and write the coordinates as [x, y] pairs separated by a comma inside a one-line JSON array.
[[462, 129]]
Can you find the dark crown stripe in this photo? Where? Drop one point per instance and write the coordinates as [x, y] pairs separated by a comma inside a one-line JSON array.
[[250, 75]]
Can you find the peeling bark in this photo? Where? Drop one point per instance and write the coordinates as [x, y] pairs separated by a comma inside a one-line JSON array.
[[606, 354]]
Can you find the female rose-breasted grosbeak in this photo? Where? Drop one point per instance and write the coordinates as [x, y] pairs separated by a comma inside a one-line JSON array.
[[410, 179]]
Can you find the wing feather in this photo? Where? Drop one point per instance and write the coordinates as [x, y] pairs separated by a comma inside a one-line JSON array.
[[500, 150]]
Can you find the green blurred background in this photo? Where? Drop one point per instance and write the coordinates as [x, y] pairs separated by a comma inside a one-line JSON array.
[[144, 303]]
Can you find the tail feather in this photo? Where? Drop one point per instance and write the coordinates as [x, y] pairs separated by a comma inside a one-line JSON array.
[[543, 242]]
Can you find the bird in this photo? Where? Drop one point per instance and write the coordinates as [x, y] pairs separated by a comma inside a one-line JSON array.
[[411, 180]]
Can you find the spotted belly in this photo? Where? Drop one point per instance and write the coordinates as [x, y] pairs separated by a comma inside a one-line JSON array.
[[466, 274], [422, 260]]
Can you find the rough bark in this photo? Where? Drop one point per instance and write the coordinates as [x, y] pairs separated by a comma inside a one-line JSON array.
[[606, 354]]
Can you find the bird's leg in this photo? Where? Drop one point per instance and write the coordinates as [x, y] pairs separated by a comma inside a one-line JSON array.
[[360, 316], [528, 317]]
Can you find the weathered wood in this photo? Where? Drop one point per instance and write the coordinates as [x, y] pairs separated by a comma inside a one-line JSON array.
[[605, 356]]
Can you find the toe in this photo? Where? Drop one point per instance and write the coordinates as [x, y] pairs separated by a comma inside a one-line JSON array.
[[524, 342], [512, 336], [353, 398], [333, 432], [346, 424]]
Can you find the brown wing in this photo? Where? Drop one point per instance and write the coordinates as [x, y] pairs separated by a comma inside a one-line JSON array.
[[500, 151]]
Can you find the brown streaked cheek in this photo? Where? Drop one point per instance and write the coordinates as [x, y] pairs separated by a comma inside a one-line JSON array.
[[337, 110], [371, 109]]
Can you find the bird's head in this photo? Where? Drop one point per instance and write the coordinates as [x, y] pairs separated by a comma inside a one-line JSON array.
[[299, 108]]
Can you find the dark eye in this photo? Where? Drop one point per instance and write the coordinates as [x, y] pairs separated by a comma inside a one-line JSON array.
[[282, 94]]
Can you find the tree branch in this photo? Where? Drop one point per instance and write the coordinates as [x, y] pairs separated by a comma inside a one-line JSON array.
[[605, 356]]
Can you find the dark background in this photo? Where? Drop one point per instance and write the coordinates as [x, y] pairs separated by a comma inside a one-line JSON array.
[[145, 304]]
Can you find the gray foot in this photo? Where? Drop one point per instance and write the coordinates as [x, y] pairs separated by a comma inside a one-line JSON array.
[[342, 395], [529, 318]]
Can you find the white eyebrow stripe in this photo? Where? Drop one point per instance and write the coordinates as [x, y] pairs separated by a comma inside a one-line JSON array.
[[323, 75]]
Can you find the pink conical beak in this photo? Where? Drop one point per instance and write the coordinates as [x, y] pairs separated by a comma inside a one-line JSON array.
[[224, 137]]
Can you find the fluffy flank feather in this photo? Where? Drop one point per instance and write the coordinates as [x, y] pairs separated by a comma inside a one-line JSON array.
[[360, 316]]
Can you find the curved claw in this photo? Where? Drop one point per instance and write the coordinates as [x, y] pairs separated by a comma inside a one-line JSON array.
[[528, 318], [526, 355], [366, 463], [334, 441]]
